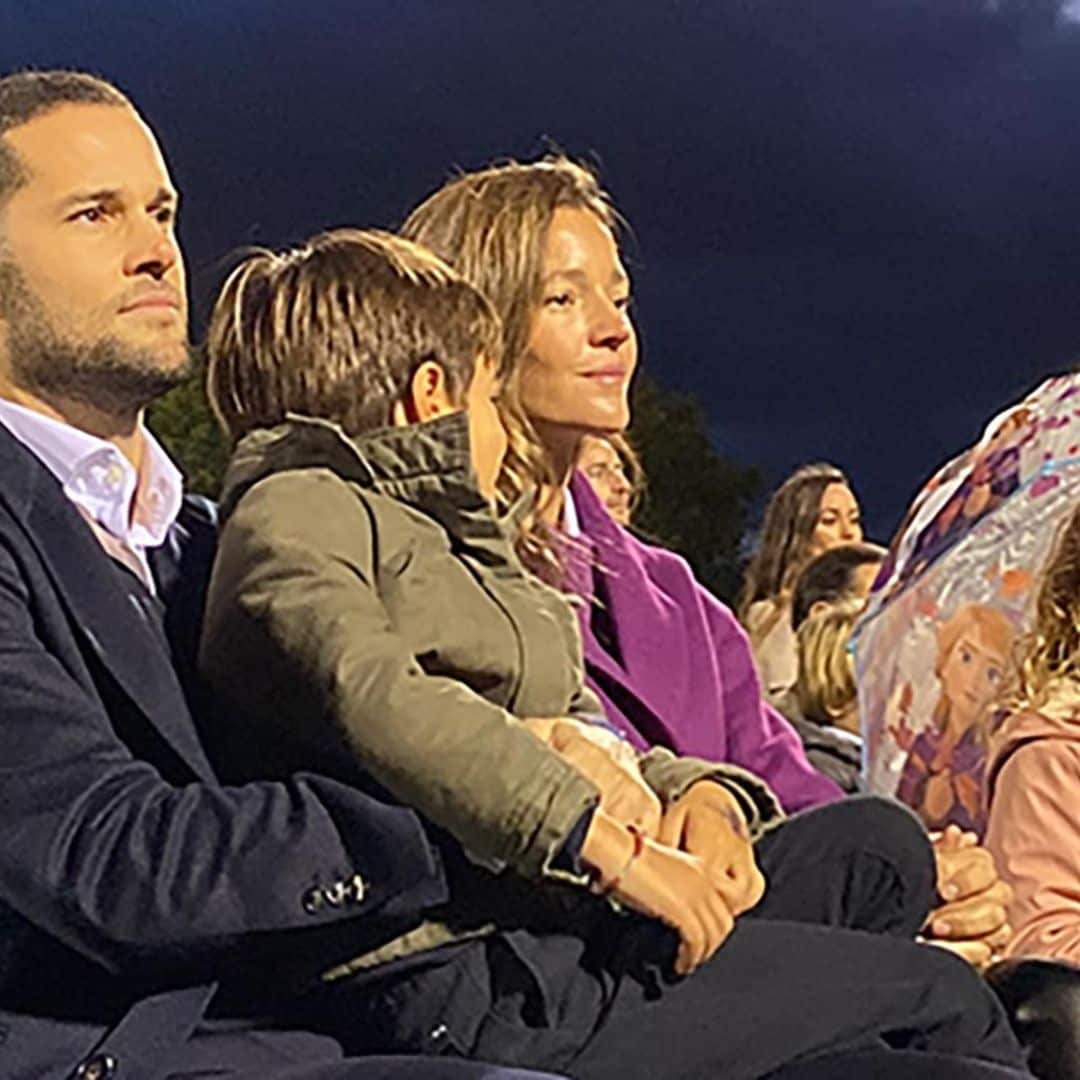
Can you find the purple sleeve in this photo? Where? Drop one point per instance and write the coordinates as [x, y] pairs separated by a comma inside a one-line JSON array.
[[760, 740]]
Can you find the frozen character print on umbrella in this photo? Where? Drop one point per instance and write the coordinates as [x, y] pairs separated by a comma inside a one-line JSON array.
[[942, 778]]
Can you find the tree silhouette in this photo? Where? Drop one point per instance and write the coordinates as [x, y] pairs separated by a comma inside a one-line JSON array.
[[696, 501], [183, 422]]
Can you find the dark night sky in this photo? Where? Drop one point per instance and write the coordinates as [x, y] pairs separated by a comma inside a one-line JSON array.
[[857, 222]]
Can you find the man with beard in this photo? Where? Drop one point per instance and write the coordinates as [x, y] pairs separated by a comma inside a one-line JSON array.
[[152, 918]]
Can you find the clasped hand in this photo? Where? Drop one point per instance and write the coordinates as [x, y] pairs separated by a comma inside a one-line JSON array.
[[699, 875], [973, 920], [696, 871], [708, 822]]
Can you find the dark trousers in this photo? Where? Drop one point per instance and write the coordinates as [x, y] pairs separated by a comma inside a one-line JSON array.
[[862, 864], [792, 986], [259, 1054]]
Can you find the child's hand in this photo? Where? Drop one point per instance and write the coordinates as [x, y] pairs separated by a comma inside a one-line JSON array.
[[973, 921], [674, 887], [708, 822]]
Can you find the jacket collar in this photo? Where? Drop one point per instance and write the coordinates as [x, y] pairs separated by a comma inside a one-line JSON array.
[[102, 614], [427, 466]]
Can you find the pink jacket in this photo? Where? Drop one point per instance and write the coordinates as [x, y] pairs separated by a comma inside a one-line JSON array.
[[1034, 832]]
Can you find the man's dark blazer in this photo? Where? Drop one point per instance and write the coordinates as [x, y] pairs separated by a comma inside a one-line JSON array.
[[134, 888]]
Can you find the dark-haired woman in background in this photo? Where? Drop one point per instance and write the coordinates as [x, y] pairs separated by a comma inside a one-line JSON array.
[[813, 510]]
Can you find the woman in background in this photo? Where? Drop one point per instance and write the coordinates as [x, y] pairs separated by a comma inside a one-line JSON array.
[[670, 663], [611, 467], [812, 511]]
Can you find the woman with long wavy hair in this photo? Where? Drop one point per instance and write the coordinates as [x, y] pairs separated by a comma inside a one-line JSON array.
[[813, 510], [670, 662]]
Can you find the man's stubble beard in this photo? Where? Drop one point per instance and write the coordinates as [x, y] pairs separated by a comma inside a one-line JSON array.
[[106, 375]]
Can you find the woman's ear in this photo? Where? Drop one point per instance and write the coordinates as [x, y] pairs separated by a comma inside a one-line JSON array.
[[427, 396]]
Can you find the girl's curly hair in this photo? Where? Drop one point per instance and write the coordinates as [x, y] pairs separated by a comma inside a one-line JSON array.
[[1050, 652]]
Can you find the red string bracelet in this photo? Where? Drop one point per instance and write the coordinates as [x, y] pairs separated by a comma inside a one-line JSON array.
[[602, 888]]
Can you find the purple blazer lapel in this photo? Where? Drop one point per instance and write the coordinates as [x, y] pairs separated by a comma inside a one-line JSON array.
[[649, 626], [579, 560]]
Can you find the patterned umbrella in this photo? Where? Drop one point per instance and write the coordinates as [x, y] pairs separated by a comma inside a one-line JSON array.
[[934, 648]]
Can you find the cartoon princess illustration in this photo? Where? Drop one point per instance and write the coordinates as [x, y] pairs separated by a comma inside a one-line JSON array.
[[943, 776]]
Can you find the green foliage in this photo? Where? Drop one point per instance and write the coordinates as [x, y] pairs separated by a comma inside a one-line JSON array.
[[696, 501], [187, 429]]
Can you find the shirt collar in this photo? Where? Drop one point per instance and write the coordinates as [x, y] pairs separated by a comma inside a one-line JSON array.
[[571, 523], [843, 735], [99, 480]]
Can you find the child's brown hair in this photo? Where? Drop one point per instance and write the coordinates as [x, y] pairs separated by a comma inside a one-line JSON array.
[[337, 327]]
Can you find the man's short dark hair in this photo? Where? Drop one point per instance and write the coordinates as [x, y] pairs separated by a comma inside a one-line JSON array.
[[830, 577], [27, 94]]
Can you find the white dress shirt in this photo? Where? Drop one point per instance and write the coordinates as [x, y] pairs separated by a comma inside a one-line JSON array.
[[571, 524], [128, 514]]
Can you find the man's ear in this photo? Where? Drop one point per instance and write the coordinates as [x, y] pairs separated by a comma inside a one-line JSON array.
[[427, 396], [818, 607]]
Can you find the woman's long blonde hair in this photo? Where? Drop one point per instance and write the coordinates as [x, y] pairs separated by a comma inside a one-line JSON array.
[[825, 688], [1050, 653], [491, 226]]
